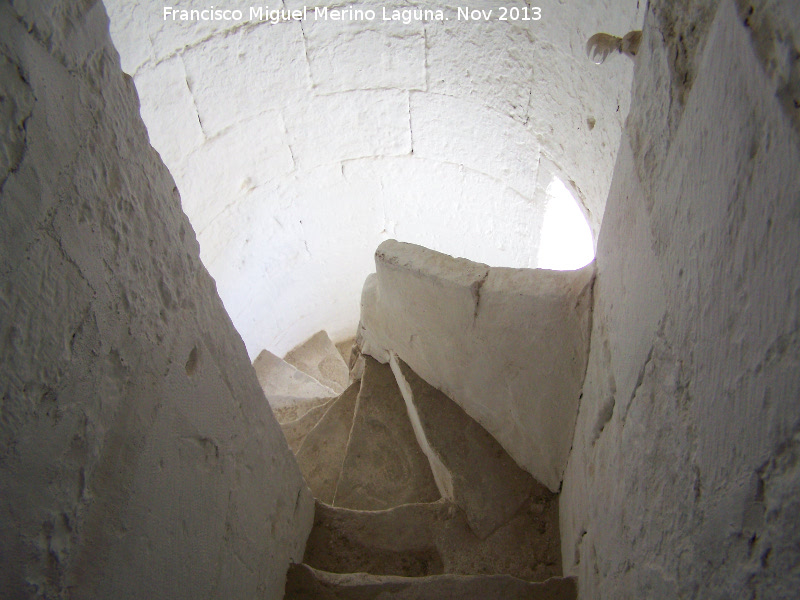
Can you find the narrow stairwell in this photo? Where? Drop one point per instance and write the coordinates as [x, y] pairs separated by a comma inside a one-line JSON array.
[[414, 499]]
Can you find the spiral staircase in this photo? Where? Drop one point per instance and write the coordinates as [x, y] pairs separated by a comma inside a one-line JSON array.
[[414, 499]]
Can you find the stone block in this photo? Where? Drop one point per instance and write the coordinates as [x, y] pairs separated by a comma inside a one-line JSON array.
[[231, 166], [337, 127], [168, 110], [508, 345], [462, 132], [238, 75], [363, 54], [495, 65]]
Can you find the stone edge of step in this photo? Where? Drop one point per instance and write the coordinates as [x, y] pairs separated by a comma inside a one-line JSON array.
[[293, 430], [568, 583], [299, 355]]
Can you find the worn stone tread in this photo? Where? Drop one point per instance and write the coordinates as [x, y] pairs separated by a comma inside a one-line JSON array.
[[296, 430], [323, 450], [473, 469], [384, 465], [319, 358], [305, 583], [288, 409], [290, 392], [434, 538]]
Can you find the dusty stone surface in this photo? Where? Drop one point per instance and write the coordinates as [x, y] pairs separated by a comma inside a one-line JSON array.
[[427, 539], [323, 451], [139, 456], [484, 481], [289, 409], [296, 430], [305, 583], [683, 478], [290, 392], [319, 358], [441, 314], [449, 113], [349, 541], [384, 466], [345, 349]]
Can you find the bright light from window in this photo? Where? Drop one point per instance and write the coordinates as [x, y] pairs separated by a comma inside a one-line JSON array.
[[566, 241]]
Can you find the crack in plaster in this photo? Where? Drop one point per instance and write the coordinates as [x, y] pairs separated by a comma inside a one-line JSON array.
[[305, 54], [639, 380], [194, 101], [528, 107], [475, 290], [425, 64], [410, 126]]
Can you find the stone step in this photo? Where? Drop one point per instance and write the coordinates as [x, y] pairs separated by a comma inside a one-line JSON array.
[[470, 466], [434, 538], [288, 409], [319, 358], [290, 392], [323, 450], [295, 431], [384, 466], [345, 349], [305, 583]]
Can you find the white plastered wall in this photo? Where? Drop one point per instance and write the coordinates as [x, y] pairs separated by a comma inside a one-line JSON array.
[[683, 480], [299, 146], [138, 455]]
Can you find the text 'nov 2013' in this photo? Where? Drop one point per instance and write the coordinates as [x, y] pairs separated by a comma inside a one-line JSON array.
[[351, 14]]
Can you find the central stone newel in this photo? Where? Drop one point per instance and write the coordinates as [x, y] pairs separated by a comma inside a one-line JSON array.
[[508, 345]]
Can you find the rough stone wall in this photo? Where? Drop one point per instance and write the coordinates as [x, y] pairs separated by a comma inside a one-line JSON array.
[[138, 456], [299, 146], [683, 480], [508, 345]]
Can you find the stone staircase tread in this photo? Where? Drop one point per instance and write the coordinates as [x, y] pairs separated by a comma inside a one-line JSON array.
[[288, 409], [296, 430], [433, 538], [319, 358], [306, 583], [482, 478], [323, 450], [289, 391], [384, 465]]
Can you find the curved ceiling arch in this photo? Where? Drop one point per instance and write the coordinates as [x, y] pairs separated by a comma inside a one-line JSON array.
[[298, 146]]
